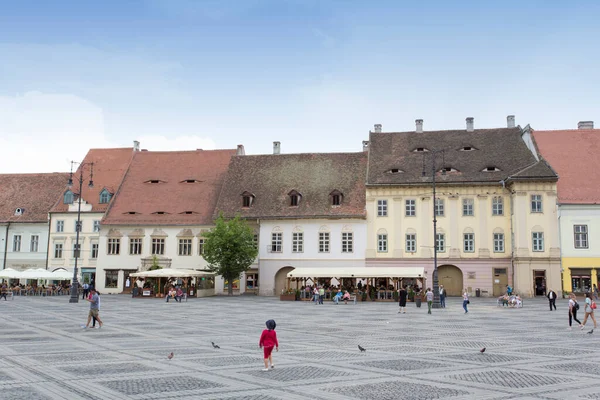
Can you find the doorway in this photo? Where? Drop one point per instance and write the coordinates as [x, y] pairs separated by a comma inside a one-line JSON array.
[[128, 281], [539, 283], [500, 281], [452, 278], [281, 279]]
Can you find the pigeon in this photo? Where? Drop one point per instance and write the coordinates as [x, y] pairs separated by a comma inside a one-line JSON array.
[[482, 350], [170, 356], [590, 332], [362, 350], [215, 346]]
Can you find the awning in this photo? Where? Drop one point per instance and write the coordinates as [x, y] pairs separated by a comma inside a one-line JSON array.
[[358, 272], [171, 273], [10, 273]]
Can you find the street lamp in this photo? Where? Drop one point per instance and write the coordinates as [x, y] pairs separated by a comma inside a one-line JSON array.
[[75, 284], [436, 285]]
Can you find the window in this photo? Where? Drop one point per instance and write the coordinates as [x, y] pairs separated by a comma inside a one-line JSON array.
[[538, 241], [76, 250], [105, 196], [467, 207], [94, 250], [112, 277], [60, 226], [201, 242], [498, 242], [468, 242], [382, 240], [58, 250], [497, 205], [113, 247], [294, 198], [96, 226], [581, 236], [382, 208], [135, 246], [411, 208], [336, 198], [68, 197], [255, 241], [247, 199], [78, 226], [297, 242], [276, 242], [536, 203], [439, 207], [411, 243], [440, 242], [158, 246], [347, 242], [323, 242], [17, 243], [185, 247], [35, 243]]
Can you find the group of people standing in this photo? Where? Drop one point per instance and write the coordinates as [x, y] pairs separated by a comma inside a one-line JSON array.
[[590, 306]]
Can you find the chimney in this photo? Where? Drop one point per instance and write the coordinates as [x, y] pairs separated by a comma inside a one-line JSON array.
[[136, 145], [240, 150], [510, 121], [365, 145], [585, 125], [419, 124], [470, 127], [276, 147], [377, 128]]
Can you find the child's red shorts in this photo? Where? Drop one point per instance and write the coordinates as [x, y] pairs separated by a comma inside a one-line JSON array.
[[268, 351]]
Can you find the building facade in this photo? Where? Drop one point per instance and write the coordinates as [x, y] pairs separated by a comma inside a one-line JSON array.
[[571, 153], [494, 207]]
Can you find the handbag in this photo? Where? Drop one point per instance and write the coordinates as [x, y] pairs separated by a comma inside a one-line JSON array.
[[468, 301]]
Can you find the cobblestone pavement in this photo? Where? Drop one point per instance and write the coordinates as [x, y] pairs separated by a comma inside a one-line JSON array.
[[530, 353]]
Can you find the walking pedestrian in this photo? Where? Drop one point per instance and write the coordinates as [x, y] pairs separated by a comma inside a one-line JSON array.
[[268, 340], [94, 309], [552, 299], [590, 306], [4, 291], [442, 296], [595, 290], [316, 295], [402, 300], [429, 296], [321, 294], [573, 307], [466, 301], [86, 291], [94, 318]]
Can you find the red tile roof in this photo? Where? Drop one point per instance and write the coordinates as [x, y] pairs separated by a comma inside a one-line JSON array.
[[35, 193], [110, 166], [574, 156], [172, 195]]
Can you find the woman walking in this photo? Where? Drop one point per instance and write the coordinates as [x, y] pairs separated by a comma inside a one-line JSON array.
[[590, 305], [466, 301], [429, 295], [402, 300], [573, 307]]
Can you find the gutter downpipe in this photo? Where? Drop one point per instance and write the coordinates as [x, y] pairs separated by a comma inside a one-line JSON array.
[[512, 232], [48, 244], [6, 246], [562, 281]]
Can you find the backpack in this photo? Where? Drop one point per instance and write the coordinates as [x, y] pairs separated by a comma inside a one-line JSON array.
[[576, 306]]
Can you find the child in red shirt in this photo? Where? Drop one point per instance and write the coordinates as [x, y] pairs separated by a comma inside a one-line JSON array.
[[268, 340]]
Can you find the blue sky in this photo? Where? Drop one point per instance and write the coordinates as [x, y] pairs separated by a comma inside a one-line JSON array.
[[313, 74]]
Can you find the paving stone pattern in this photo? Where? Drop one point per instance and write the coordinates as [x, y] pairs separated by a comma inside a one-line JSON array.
[[530, 353]]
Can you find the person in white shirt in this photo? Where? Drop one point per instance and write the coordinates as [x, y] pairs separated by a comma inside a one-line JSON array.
[[442, 296], [552, 299], [589, 311], [573, 306]]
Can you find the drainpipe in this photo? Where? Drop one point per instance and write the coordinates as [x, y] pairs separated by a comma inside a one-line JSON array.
[[562, 281], [48, 244], [512, 233], [6, 246]]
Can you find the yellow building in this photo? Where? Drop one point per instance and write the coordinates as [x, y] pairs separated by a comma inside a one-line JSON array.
[[572, 153], [495, 208]]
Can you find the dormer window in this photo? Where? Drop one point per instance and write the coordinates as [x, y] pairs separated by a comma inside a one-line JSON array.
[[131, 213], [154, 181], [188, 212], [491, 169], [105, 196], [190, 181], [68, 197], [448, 169], [336, 198], [160, 213], [295, 198], [467, 148], [395, 171], [420, 150], [247, 199]]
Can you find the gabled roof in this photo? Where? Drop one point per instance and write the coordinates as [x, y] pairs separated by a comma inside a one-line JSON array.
[[574, 155], [270, 178], [110, 166], [394, 161], [35, 193], [140, 202]]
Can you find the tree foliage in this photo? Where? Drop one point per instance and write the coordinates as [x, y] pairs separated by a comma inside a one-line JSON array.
[[229, 248]]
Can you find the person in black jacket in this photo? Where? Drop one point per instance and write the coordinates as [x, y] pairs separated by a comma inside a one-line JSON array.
[[402, 300], [552, 299]]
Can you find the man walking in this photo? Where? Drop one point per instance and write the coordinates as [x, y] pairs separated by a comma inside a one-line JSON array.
[[402, 294], [94, 309], [442, 296], [86, 290], [552, 299], [321, 294], [429, 295]]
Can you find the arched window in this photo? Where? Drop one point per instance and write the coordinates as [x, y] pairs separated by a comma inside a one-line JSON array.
[[105, 196], [336, 198], [247, 199], [68, 197], [295, 198]]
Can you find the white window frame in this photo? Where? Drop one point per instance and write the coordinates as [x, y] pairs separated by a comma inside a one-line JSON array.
[[440, 242], [382, 208], [536, 203], [439, 207], [184, 247], [499, 243], [382, 243], [135, 246], [497, 206], [76, 250], [537, 241], [297, 242], [468, 207], [17, 243], [80, 225], [410, 208], [201, 243], [411, 242], [347, 242], [58, 250], [34, 243], [158, 246], [97, 226], [324, 242], [113, 246], [60, 226], [94, 250], [468, 242], [276, 242], [580, 236]]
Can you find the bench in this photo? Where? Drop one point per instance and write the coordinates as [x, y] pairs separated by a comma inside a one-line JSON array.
[[352, 299]]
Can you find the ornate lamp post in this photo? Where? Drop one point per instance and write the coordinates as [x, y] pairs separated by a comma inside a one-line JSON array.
[[436, 283], [75, 283]]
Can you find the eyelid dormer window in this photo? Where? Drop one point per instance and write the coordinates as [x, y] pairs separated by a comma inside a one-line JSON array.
[[490, 169], [467, 148], [395, 171], [420, 150], [154, 181], [448, 169]]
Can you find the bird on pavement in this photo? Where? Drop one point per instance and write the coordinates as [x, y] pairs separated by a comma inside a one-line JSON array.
[[482, 350], [590, 332], [362, 350], [215, 346], [170, 356]]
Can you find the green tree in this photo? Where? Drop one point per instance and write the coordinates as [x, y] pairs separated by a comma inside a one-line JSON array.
[[229, 249]]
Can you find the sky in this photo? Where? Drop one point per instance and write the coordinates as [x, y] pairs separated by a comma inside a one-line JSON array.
[[315, 75]]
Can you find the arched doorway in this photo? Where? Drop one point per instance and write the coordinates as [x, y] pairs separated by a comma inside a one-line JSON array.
[[452, 278], [280, 279]]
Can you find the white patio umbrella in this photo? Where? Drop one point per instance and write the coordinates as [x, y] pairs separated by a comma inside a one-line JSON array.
[[170, 273], [62, 275], [10, 273], [37, 273]]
